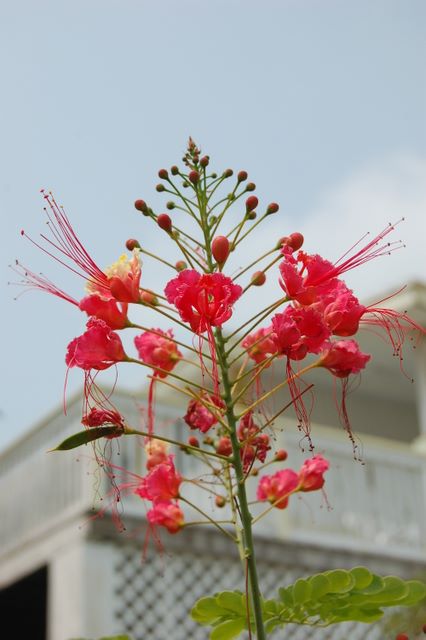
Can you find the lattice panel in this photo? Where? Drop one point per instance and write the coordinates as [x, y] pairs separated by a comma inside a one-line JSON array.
[[154, 597]]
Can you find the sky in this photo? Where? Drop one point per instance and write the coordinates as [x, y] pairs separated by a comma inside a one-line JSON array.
[[323, 102]]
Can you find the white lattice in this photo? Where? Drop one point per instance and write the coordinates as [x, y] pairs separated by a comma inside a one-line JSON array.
[[154, 597]]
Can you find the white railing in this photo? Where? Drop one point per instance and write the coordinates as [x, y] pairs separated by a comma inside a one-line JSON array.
[[38, 489], [376, 506]]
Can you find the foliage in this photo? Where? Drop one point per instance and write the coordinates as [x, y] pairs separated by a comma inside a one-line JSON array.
[[319, 600]]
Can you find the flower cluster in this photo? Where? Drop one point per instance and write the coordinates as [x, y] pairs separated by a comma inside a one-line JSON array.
[[161, 486], [278, 488], [224, 405]]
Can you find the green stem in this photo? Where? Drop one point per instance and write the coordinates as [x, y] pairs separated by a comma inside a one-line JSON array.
[[249, 266], [206, 515], [159, 370], [269, 393], [246, 516], [255, 320], [128, 431]]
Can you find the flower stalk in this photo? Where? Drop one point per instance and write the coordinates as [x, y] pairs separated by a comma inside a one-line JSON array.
[[313, 314]]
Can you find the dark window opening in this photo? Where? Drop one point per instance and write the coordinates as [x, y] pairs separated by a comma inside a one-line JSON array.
[[23, 606]]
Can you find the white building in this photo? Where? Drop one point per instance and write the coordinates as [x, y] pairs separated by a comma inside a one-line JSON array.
[[67, 574]]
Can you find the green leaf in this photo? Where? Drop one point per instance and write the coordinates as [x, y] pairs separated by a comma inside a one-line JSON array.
[[302, 591], [362, 576], [270, 608], [375, 586], [340, 595], [233, 601], [394, 589], [320, 585], [358, 615], [286, 596], [84, 437], [324, 598], [416, 593], [206, 611], [228, 629], [340, 580]]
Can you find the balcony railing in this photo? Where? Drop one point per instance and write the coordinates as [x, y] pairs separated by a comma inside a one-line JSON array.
[[378, 506]]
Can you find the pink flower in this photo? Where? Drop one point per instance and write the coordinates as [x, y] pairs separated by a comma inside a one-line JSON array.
[[123, 280], [343, 358], [255, 445], [156, 452], [111, 312], [204, 301], [168, 515], [224, 446], [157, 348], [311, 474], [161, 484], [200, 417], [260, 345], [305, 283], [297, 332], [278, 487], [341, 310], [120, 281], [316, 276], [99, 417], [98, 348]]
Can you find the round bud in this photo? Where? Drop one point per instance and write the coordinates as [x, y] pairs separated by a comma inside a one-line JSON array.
[[194, 176], [164, 222], [251, 203], [160, 187], [185, 185], [402, 636], [204, 161], [254, 472], [181, 265], [208, 440], [220, 249], [163, 174], [170, 205], [242, 176], [250, 186], [141, 205], [251, 215], [281, 455], [272, 208], [174, 170], [193, 441], [148, 297], [214, 175], [227, 173], [131, 244], [224, 446], [258, 278], [220, 501], [294, 240], [195, 158]]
